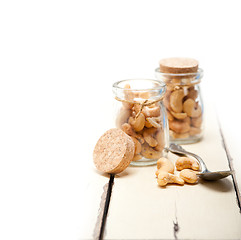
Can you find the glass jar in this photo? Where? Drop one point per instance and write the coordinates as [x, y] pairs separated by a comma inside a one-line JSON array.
[[140, 112], [184, 105]]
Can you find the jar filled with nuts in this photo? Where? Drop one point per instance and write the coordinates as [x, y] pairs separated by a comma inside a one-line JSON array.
[[182, 100], [141, 114]]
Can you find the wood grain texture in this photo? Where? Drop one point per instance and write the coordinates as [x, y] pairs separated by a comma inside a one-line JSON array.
[[139, 209], [94, 188], [92, 204]]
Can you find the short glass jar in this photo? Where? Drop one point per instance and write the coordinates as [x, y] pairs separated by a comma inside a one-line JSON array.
[[140, 112], [184, 105]]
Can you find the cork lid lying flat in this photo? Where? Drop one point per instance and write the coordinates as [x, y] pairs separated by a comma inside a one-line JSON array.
[[114, 151], [178, 65]]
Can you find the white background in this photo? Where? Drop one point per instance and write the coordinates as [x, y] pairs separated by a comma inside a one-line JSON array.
[[58, 61]]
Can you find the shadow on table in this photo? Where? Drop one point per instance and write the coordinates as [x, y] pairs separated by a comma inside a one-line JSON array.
[[222, 185], [106, 175], [125, 173]]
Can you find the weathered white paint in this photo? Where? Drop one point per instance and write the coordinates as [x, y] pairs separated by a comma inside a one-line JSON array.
[[140, 209]]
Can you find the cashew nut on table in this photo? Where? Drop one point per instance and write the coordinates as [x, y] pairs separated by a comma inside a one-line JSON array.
[[166, 165], [186, 162], [166, 171], [188, 176], [164, 178]]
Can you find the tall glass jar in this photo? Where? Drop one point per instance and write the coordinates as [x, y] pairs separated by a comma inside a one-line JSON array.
[[183, 103], [140, 112]]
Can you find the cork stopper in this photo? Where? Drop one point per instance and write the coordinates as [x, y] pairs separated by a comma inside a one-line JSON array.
[[114, 151], [178, 65]]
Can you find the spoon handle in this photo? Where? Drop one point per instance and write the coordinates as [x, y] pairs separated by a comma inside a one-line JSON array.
[[174, 148]]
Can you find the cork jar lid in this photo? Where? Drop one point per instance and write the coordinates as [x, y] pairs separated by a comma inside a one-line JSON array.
[[178, 65], [113, 151]]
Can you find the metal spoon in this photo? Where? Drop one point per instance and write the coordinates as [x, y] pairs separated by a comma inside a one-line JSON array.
[[205, 173]]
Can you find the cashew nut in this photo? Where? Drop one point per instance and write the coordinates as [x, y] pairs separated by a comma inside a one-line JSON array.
[[166, 101], [136, 108], [127, 86], [185, 162], [170, 88], [154, 121], [148, 135], [179, 115], [192, 108], [196, 122], [148, 125], [137, 157], [126, 127], [179, 126], [137, 145], [128, 95], [123, 116], [144, 95], [169, 116], [176, 100], [176, 81], [177, 135], [151, 111], [164, 178], [188, 176], [160, 140], [187, 120], [131, 94], [194, 131], [166, 165], [192, 93], [149, 152], [137, 123]]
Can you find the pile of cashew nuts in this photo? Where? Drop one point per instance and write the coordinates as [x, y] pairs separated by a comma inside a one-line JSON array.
[[143, 124], [183, 110], [186, 166]]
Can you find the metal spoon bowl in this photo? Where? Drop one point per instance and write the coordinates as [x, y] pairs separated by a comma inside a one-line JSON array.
[[205, 173]]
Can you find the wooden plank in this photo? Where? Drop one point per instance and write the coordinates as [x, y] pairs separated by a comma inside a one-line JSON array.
[[231, 145], [230, 123], [92, 205], [94, 188], [94, 185], [235, 169], [139, 209]]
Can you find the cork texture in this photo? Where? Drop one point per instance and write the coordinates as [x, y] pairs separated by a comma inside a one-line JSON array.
[[114, 151], [178, 65]]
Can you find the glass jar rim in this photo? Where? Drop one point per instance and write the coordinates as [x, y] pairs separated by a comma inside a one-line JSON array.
[[160, 84]]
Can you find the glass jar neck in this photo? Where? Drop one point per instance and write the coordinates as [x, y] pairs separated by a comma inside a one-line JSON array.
[[138, 89], [180, 79]]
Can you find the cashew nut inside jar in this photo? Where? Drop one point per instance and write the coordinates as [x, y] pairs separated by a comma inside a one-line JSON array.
[[140, 113], [182, 100]]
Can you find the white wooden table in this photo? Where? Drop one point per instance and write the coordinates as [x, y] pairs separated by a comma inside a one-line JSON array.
[[139, 209], [58, 61]]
